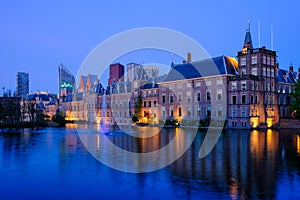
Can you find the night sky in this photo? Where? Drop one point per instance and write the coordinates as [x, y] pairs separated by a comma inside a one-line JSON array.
[[36, 36]]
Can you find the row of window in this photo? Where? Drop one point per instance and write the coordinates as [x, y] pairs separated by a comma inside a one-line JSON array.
[[266, 71], [267, 60], [189, 111], [188, 97], [189, 85]]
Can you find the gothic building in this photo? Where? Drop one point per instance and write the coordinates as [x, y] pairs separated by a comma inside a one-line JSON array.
[[252, 95]]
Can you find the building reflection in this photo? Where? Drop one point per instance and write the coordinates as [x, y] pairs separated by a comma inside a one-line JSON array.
[[243, 163]]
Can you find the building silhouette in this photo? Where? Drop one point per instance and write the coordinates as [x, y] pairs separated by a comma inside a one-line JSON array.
[[116, 73], [22, 84], [66, 82]]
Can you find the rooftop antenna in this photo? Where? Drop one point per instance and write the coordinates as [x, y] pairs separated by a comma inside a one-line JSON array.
[[258, 33], [272, 45], [248, 28], [172, 57]]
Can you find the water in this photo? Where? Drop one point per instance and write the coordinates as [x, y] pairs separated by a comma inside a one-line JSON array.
[[54, 164]]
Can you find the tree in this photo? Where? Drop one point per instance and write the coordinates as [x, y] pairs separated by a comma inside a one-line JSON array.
[[59, 118], [137, 110], [295, 106]]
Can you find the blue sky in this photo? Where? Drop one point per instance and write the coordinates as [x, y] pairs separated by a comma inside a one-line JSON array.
[[36, 36]]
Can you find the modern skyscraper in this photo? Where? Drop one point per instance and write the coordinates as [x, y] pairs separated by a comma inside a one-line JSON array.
[[22, 88], [116, 73], [66, 81]]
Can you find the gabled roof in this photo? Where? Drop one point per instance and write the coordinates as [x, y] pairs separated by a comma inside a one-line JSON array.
[[286, 76], [93, 78], [152, 82], [43, 97], [208, 67]]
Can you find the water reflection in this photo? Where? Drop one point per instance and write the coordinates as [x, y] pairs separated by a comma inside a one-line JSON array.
[[242, 165]]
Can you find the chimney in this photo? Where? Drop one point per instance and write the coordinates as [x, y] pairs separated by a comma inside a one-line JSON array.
[[189, 57]]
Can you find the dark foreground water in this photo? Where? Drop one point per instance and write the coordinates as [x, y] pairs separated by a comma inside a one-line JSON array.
[[54, 164]]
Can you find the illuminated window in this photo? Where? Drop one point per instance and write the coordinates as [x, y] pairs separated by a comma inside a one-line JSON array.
[[171, 111], [254, 60], [264, 71], [233, 86], [268, 60], [244, 84], [272, 61], [254, 71], [264, 60], [272, 72], [243, 61], [243, 71]]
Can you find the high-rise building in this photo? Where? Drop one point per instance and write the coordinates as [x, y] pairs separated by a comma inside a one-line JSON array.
[[116, 73], [22, 88], [151, 71], [132, 71], [66, 81]]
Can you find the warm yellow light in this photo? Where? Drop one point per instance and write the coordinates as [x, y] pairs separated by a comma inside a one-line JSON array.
[[269, 122], [298, 144], [254, 122]]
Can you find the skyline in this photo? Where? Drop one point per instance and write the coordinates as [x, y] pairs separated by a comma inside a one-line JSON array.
[[37, 37]]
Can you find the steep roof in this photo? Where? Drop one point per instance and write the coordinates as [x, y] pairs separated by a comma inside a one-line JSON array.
[[286, 76], [202, 68]]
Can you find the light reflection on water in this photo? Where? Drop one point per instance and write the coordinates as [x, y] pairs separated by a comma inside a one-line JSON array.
[[53, 163]]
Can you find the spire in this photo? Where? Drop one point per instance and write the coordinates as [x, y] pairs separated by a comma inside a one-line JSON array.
[[248, 41]]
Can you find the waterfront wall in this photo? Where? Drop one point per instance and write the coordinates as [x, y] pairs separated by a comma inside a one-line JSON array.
[[289, 123]]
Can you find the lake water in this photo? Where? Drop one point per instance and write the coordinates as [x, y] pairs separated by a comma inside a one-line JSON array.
[[53, 163]]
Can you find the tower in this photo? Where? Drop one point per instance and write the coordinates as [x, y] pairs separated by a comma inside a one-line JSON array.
[[116, 73], [252, 93], [66, 81], [22, 82]]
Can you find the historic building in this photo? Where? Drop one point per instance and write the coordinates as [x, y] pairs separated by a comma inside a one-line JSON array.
[[248, 92], [252, 93]]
